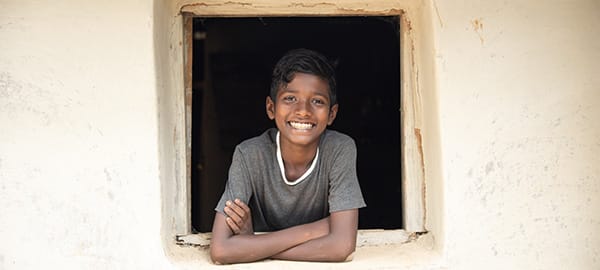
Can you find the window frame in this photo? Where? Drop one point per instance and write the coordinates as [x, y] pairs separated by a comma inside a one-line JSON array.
[[178, 217]]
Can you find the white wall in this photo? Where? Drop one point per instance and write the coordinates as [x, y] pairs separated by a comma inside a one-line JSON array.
[[78, 139], [519, 103], [519, 127]]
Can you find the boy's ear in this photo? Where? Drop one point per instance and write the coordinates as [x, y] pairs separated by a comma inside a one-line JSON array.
[[270, 105], [332, 114]]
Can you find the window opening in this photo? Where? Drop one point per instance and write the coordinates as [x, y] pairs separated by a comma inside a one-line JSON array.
[[232, 63]]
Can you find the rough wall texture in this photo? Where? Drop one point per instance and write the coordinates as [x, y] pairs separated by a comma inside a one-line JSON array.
[[519, 116], [520, 121], [78, 155]]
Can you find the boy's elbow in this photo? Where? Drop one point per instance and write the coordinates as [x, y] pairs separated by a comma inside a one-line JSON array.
[[347, 253], [344, 252], [218, 255], [342, 256], [215, 255]]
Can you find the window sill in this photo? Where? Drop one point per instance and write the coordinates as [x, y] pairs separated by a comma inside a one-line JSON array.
[[374, 237], [376, 249]]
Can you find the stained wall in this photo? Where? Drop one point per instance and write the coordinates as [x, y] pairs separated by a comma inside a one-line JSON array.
[[520, 132], [88, 113]]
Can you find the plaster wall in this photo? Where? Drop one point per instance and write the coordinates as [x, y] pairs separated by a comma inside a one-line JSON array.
[[78, 136], [511, 136], [519, 106]]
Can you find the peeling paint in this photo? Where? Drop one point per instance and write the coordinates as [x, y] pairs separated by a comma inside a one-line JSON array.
[[305, 5], [415, 72], [423, 185], [477, 25], [413, 63], [227, 3], [291, 8], [414, 174], [437, 12], [350, 11]]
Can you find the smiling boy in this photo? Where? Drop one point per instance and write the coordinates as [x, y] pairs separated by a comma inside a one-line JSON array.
[[297, 182]]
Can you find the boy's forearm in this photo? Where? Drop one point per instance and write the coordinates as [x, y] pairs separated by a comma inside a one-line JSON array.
[[336, 246], [248, 248], [325, 249]]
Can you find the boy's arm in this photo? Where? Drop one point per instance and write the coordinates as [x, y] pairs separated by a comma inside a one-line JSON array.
[[229, 248], [336, 246]]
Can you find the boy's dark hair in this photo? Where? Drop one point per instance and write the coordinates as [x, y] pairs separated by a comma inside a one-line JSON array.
[[303, 61]]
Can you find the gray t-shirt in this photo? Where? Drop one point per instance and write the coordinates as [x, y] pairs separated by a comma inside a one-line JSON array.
[[255, 178]]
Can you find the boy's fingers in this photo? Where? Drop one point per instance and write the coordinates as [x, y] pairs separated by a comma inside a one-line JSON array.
[[238, 210], [232, 225], [242, 205], [231, 214]]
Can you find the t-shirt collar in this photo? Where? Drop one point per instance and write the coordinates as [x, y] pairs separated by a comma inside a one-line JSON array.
[[282, 167]]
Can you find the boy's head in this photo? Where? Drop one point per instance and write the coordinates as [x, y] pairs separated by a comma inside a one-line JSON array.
[[302, 100], [303, 61]]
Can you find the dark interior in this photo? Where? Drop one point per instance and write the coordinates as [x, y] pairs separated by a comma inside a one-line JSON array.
[[232, 63]]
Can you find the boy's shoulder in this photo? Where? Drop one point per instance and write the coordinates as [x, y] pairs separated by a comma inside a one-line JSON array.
[[262, 142], [336, 139]]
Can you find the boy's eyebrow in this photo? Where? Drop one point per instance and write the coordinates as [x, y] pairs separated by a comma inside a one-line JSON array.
[[291, 91], [286, 89]]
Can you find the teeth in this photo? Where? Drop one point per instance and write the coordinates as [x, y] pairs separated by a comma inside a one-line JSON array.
[[297, 125]]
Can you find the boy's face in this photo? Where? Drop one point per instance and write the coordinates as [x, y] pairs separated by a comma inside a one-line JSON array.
[[302, 110]]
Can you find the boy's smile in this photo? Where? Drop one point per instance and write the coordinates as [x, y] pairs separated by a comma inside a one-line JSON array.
[[302, 110], [301, 126]]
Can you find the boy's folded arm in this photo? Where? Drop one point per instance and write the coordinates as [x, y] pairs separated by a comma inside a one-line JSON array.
[[336, 246], [228, 248]]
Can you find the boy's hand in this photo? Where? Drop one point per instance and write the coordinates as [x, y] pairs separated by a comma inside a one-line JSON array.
[[239, 217]]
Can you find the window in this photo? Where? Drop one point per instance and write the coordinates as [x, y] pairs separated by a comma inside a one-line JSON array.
[[184, 146], [233, 59]]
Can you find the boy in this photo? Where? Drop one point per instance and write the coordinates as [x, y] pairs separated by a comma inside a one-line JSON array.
[[297, 182]]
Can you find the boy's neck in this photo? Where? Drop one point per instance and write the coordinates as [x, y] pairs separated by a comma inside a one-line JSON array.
[[296, 159], [298, 156]]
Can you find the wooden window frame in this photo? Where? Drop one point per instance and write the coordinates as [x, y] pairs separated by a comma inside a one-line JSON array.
[[413, 165]]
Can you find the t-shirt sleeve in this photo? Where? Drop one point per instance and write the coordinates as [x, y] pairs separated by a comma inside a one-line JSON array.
[[238, 183], [344, 190]]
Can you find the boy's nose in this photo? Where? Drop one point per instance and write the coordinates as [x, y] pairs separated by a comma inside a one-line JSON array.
[[303, 108]]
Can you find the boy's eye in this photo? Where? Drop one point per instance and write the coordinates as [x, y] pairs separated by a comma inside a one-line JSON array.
[[289, 98], [318, 101]]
